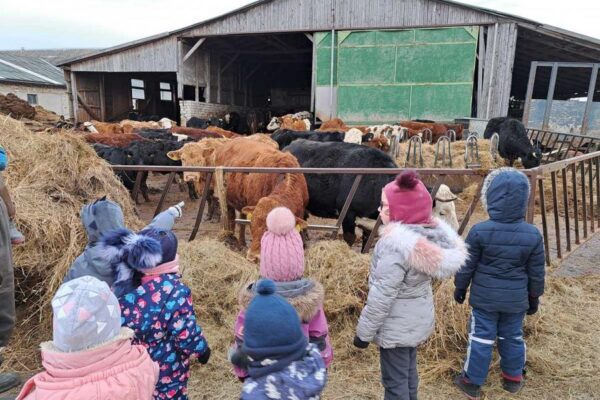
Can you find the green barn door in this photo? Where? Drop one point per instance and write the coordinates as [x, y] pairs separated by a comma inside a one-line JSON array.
[[388, 76]]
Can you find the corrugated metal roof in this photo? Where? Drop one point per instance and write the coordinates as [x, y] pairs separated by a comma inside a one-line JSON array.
[[53, 56], [542, 28], [35, 71]]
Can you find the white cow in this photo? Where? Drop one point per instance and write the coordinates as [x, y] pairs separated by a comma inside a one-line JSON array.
[[353, 135], [444, 206]]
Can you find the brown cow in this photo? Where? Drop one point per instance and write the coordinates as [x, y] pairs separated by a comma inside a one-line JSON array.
[[254, 194], [223, 132], [129, 125], [380, 143], [123, 140], [94, 126], [196, 134], [334, 125], [437, 130]]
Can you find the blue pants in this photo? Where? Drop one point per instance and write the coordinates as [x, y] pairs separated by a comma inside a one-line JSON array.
[[484, 328]]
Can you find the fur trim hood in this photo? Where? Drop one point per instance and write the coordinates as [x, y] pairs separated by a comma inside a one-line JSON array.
[[305, 295], [436, 251]]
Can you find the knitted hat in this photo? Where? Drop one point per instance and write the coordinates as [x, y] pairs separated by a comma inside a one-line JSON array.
[[281, 248], [86, 314], [272, 327], [167, 240], [408, 199]]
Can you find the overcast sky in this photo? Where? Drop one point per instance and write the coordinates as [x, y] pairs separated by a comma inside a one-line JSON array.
[[43, 24]]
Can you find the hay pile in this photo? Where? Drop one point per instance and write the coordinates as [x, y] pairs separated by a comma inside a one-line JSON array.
[[561, 339], [17, 108], [458, 150], [50, 177]]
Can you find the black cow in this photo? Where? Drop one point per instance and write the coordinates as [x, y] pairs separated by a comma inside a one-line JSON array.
[[195, 122], [232, 122], [285, 137], [153, 134], [119, 156], [327, 193], [514, 142]]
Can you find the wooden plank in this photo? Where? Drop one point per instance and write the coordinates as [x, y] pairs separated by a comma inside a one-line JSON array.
[[102, 98], [584, 201], [201, 206], [347, 204], [87, 108], [193, 49], [229, 63], [74, 97], [566, 208], [556, 217], [591, 188], [165, 191], [471, 210], [544, 221], [575, 202], [533, 177], [480, 71]]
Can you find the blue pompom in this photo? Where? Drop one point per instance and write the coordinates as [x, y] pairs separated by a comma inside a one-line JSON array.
[[143, 252], [116, 237], [265, 287]]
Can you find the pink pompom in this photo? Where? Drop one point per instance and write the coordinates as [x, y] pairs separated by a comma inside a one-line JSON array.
[[280, 221], [407, 179]]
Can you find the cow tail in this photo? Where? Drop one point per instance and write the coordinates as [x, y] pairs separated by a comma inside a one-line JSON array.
[[221, 189]]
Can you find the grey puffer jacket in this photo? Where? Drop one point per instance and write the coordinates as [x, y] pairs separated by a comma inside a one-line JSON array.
[[399, 310]]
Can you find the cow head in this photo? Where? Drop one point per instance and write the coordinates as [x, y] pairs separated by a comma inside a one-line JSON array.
[[444, 207], [274, 124], [192, 154], [258, 223], [532, 159]]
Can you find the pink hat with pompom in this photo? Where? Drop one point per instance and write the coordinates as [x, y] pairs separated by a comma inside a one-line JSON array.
[[281, 248], [409, 200]]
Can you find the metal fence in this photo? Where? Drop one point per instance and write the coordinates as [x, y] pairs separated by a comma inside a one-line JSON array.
[[576, 208]]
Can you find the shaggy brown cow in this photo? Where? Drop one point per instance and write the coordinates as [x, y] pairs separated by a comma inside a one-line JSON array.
[[129, 125], [122, 140], [196, 134], [380, 143], [294, 124], [103, 127], [253, 194], [335, 124]]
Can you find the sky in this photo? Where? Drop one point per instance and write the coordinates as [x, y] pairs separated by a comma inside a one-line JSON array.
[[46, 24]]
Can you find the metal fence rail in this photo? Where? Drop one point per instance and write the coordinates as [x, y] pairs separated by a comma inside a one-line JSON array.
[[577, 178], [561, 144]]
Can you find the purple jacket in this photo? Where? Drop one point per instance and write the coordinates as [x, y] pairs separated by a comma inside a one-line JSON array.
[[307, 297]]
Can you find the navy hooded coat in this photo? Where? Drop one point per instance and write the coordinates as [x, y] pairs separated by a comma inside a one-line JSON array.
[[506, 254]]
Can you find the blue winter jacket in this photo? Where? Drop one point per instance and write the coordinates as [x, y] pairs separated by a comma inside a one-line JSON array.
[[3, 159], [506, 254]]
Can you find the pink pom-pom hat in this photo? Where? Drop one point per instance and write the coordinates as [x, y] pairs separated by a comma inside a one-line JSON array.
[[281, 248], [409, 200]]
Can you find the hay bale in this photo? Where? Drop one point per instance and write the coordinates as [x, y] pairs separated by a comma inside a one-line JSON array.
[[17, 108], [50, 178]]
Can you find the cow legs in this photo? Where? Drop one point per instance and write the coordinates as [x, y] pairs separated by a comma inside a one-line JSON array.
[[349, 228], [230, 226], [242, 238], [192, 193]]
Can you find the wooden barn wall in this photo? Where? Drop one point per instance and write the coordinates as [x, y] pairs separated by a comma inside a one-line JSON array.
[[158, 56], [88, 89], [316, 15], [498, 71]]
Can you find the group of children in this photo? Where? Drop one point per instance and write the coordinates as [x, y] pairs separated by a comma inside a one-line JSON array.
[[124, 324]]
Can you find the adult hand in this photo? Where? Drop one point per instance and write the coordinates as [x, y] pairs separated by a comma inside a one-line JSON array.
[[460, 295], [359, 343], [534, 304]]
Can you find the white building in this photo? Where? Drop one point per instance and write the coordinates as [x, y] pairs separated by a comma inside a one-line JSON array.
[[34, 80]]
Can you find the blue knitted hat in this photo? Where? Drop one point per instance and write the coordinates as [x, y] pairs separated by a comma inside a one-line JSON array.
[[167, 240], [272, 328]]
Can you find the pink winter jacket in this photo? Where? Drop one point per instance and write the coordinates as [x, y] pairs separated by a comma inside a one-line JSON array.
[[307, 297], [115, 370]]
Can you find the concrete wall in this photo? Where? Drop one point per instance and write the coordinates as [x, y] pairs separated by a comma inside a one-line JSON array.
[[54, 99], [190, 109]]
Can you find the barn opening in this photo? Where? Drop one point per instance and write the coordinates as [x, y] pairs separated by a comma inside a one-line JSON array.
[[269, 73]]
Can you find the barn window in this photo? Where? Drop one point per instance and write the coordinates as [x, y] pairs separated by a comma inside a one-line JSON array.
[[137, 89], [165, 91], [32, 99], [189, 92]]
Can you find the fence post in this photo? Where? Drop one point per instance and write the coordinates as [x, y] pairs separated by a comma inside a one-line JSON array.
[[346, 206], [163, 196], [533, 176], [201, 206]]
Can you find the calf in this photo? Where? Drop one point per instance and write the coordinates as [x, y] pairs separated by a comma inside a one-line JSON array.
[[327, 193], [514, 142]]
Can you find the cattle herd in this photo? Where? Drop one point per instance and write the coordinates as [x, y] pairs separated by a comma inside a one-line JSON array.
[[294, 143]]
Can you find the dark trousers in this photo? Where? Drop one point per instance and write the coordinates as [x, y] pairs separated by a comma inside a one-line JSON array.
[[399, 373], [7, 283]]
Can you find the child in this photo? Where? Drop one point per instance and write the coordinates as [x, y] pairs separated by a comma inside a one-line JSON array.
[[399, 315], [90, 356], [98, 218], [506, 274], [16, 237], [280, 361], [282, 260], [157, 305]]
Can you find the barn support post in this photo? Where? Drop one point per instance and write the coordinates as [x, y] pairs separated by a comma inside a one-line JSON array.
[[193, 49], [208, 89], [74, 96], [180, 68], [480, 63], [491, 81], [529, 95], [590, 100], [102, 98], [550, 96], [313, 78]]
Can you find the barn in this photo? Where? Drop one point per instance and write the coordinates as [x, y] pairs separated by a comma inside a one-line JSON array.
[[366, 62]]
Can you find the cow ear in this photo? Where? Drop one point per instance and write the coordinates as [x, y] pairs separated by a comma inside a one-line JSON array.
[[174, 155], [207, 152], [301, 224], [248, 210]]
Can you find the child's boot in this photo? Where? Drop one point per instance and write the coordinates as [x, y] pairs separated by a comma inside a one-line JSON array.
[[511, 386], [472, 391], [16, 237]]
